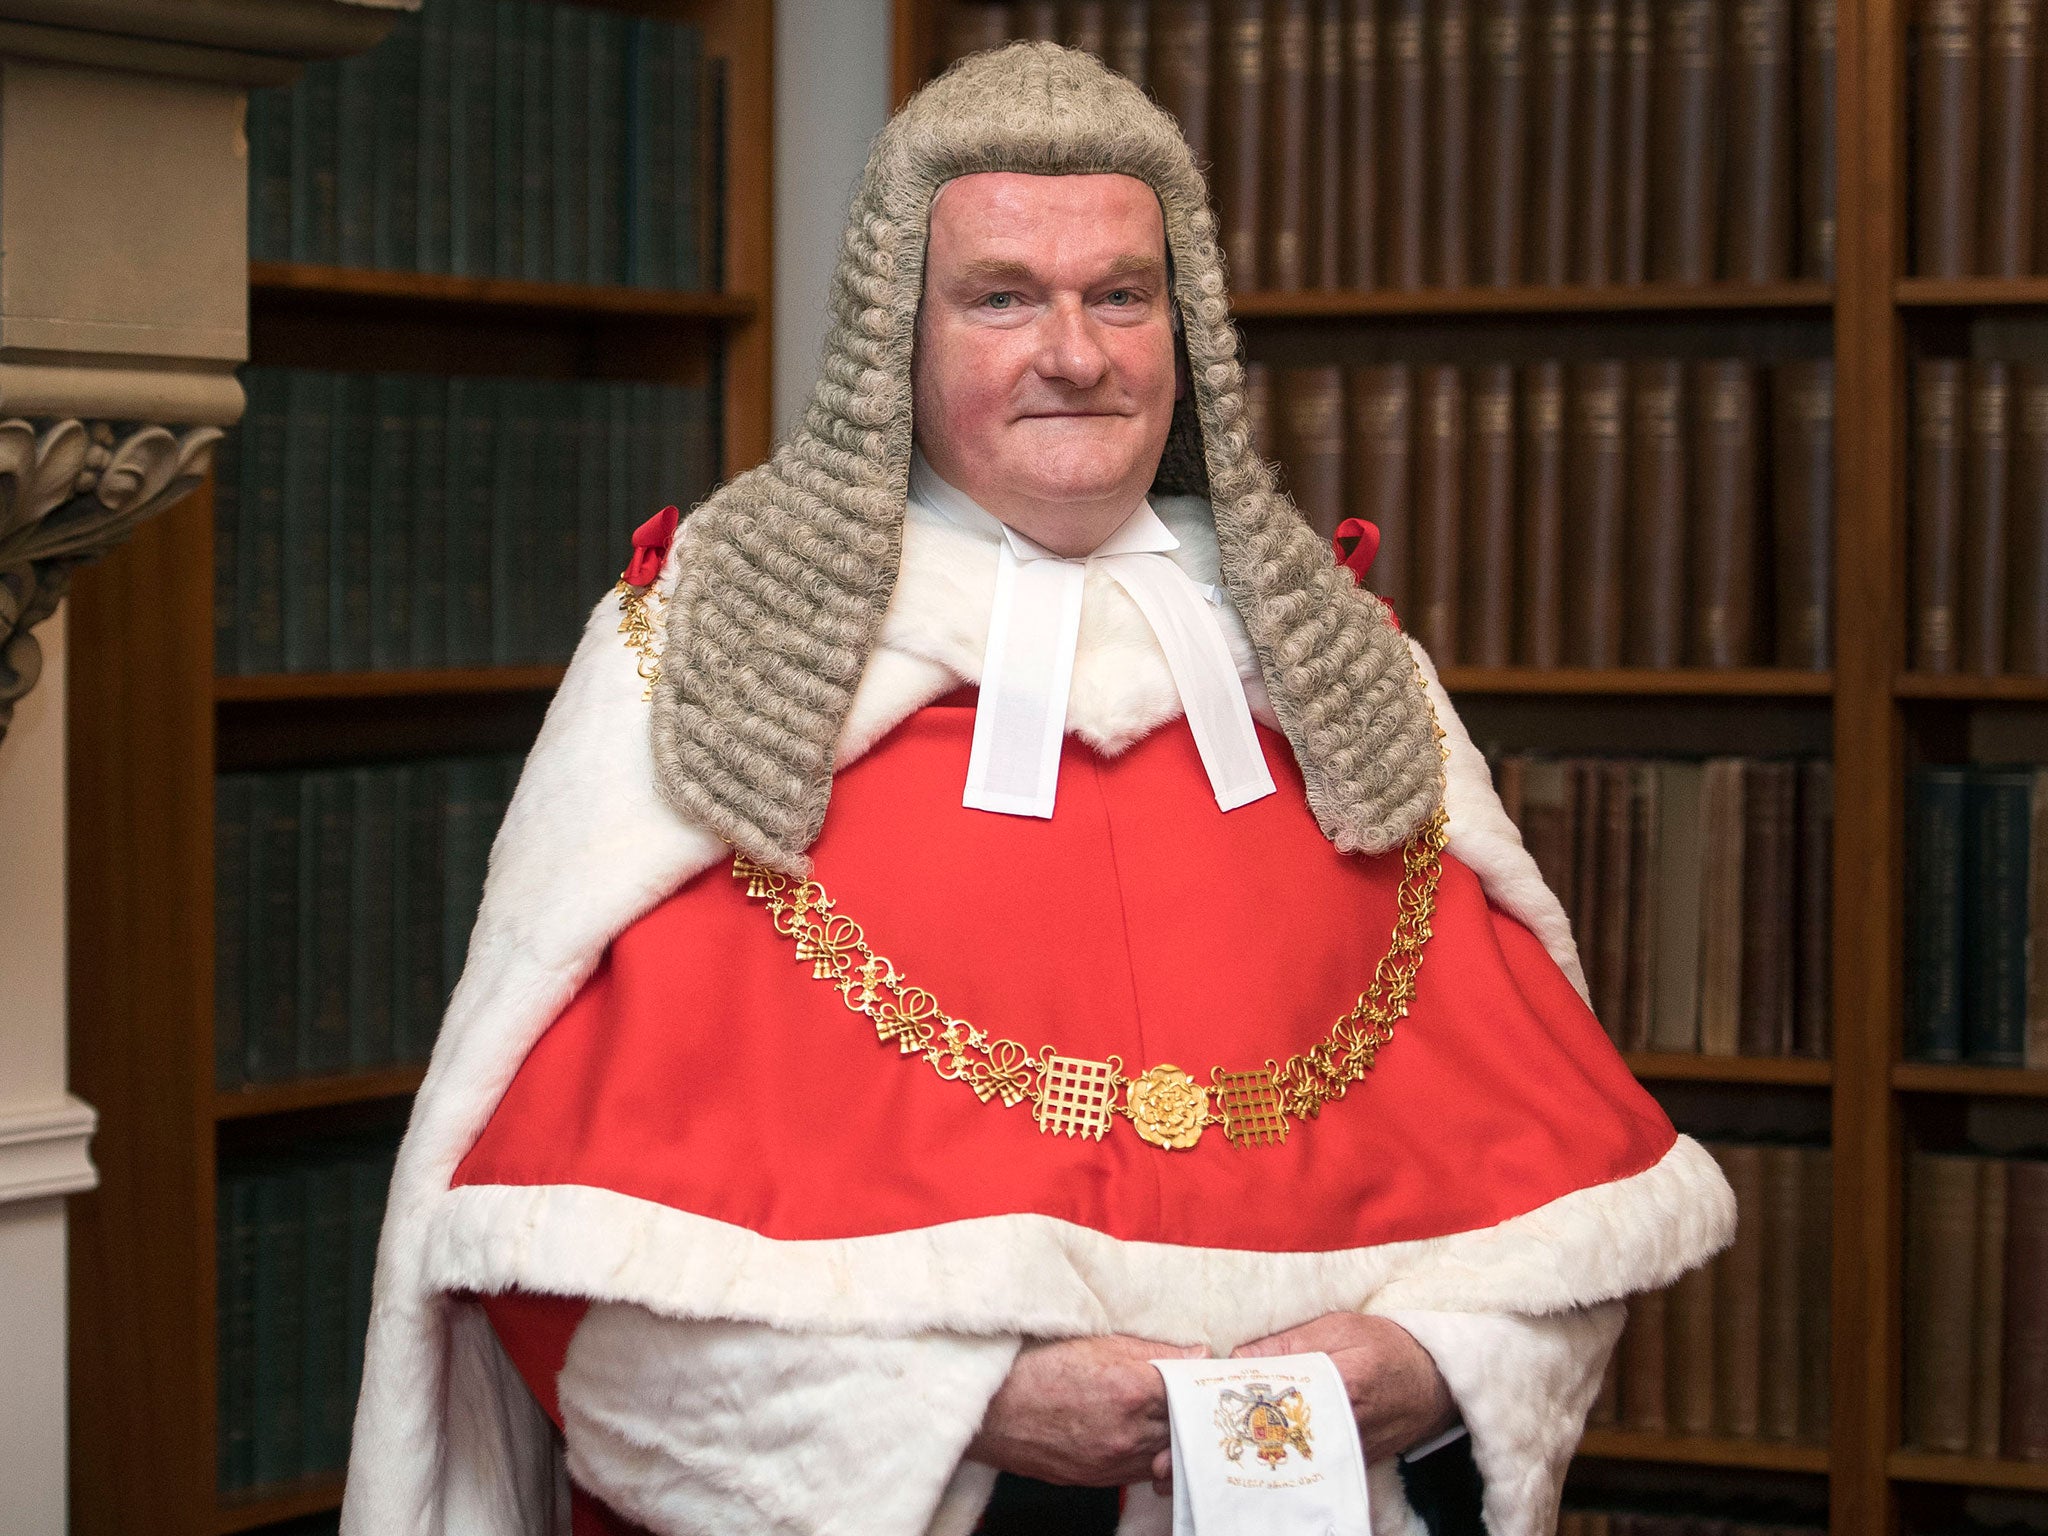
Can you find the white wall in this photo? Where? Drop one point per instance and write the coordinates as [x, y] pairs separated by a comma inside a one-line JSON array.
[[42, 1129], [831, 98]]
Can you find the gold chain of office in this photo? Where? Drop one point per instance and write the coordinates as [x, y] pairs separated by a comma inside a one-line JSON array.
[[1074, 1096]]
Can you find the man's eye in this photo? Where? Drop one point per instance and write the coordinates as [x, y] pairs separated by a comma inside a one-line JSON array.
[[999, 300], [1121, 297]]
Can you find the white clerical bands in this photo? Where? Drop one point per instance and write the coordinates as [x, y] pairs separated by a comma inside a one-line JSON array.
[[1028, 664], [1264, 1447]]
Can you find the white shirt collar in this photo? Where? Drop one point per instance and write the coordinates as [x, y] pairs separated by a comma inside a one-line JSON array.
[[1028, 661]]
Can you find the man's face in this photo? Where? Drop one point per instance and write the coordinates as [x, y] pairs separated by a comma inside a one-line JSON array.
[[1043, 375]]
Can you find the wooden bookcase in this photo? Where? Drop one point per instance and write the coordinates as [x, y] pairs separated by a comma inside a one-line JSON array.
[[151, 724], [1871, 713]]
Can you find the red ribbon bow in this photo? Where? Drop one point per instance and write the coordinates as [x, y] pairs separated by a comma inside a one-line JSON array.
[[650, 547], [1357, 543]]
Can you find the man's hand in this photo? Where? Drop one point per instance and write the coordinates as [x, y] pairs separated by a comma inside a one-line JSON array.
[[1398, 1395], [1088, 1413]]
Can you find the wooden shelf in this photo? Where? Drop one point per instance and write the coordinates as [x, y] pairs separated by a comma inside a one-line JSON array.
[[314, 1496], [369, 288], [1970, 292], [1753, 1455], [1966, 1471], [285, 687], [1985, 1082], [1641, 682], [1964, 685], [315, 1093], [1688, 1067], [1647, 298]]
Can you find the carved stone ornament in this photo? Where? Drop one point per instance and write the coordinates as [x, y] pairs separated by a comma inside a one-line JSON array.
[[69, 496]]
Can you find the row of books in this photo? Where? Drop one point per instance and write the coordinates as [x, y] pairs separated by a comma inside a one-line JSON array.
[[500, 138], [1698, 893], [1441, 143], [1600, 514], [1976, 91], [1978, 517], [297, 1244], [1976, 896], [396, 520], [1623, 1522], [1738, 1348], [343, 901], [1977, 1305]]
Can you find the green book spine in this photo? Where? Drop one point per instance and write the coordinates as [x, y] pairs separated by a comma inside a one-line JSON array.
[[280, 1324], [395, 222], [309, 433], [270, 1022], [658, 159], [235, 1228], [473, 146], [227, 539], [607, 151], [561, 533], [636, 244], [536, 155], [622, 492], [467, 828], [1995, 872], [369, 1178], [329, 1404], [515, 510], [686, 124], [473, 409], [1935, 800], [433, 243], [233, 794], [315, 231], [508, 137], [419, 902], [429, 568], [569, 141], [270, 173], [713, 175], [259, 553], [326, 842], [391, 521], [596, 569], [372, 918], [355, 184], [349, 515]]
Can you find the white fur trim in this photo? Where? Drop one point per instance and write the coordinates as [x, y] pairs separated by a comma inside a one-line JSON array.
[[1047, 1278], [733, 1429], [588, 846], [1524, 1386]]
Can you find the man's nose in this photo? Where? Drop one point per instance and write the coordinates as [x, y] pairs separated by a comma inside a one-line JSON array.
[[1070, 350]]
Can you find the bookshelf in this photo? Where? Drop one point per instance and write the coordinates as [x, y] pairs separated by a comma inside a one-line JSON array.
[[152, 723], [1868, 711]]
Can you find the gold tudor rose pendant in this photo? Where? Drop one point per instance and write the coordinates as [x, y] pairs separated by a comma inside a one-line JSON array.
[[1168, 1107]]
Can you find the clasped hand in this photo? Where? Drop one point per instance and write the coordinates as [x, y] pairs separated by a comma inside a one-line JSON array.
[[1091, 1412]]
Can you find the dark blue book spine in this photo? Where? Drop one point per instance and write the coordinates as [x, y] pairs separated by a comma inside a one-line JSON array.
[[598, 564], [369, 1173], [635, 241], [236, 1227], [349, 519], [309, 443], [433, 195], [561, 533], [280, 1324], [372, 920], [270, 173], [569, 141], [536, 154], [326, 843], [515, 544], [419, 902], [395, 225], [1995, 877], [259, 556], [315, 215], [473, 413], [324, 1340], [713, 175], [270, 1020], [227, 538], [232, 795], [391, 522], [468, 825], [429, 572], [355, 158], [1935, 802], [607, 156], [473, 248], [508, 136], [686, 122]]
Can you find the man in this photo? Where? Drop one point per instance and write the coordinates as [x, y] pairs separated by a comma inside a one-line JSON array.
[[814, 1199]]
